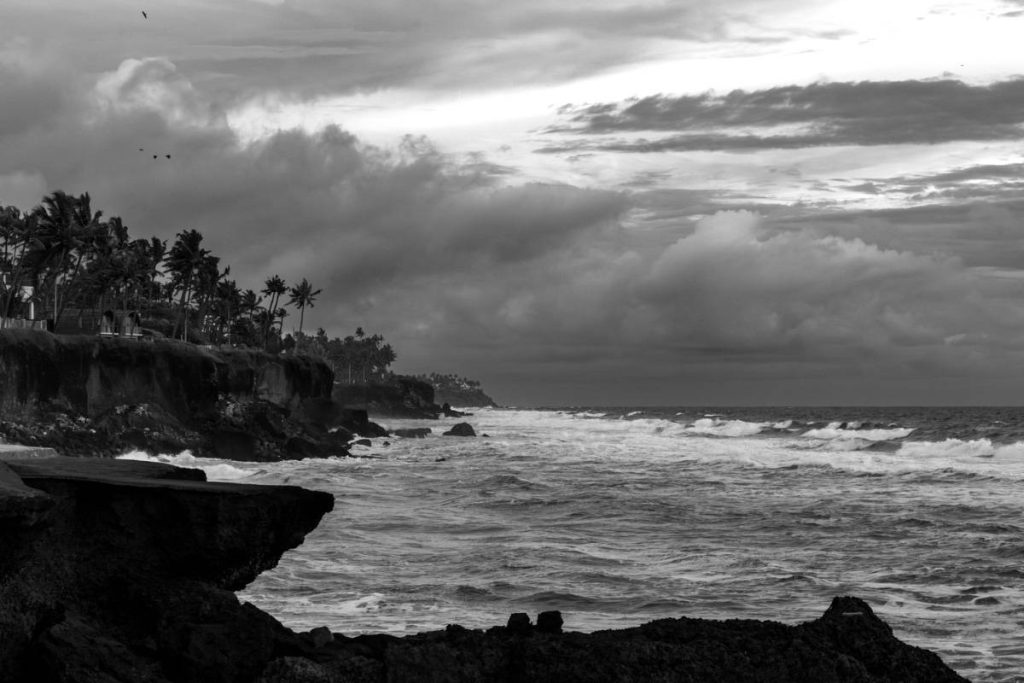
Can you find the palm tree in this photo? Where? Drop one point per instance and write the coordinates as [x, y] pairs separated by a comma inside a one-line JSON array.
[[18, 232], [185, 261], [155, 253], [301, 296], [67, 232], [274, 287]]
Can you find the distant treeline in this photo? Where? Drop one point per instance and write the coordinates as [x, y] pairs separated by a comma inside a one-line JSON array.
[[449, 382]]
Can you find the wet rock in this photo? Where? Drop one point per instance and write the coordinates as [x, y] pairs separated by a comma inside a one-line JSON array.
[[448, 411], [461, 429]]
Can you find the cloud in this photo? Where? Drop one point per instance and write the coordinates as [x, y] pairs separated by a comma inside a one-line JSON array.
[[820, 114], [535, 285], [236, 50]]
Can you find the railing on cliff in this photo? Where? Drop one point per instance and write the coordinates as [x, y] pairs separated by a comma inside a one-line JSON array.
[[21, 324]]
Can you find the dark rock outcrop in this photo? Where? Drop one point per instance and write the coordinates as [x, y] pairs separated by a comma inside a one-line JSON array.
[[127, 572], [402, 397], [465, 397], [119, 571], [448, 411], [848, 644], [86, 395], [461, 429]]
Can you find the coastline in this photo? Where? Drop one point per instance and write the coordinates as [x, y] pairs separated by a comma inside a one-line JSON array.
[[121, 570]]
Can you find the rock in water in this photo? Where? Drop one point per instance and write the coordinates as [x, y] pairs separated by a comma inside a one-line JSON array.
[[461, 429]]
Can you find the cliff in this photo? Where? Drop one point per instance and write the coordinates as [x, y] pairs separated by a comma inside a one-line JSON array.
[[86, 395], [402, 397], [118, 570], [463, 398], [122, 571], [458, 391]]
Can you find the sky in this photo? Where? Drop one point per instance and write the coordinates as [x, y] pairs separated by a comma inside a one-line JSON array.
[[627, 202]]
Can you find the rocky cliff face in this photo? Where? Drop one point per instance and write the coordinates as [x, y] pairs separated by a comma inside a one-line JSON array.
[[403, 397], [92, 375], [463, 398], [86, 395]]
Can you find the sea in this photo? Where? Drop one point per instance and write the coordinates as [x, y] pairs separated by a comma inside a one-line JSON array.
[[616, 517]]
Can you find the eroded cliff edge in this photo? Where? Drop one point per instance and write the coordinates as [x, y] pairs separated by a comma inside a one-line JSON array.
[[86, 395], [117, 570]]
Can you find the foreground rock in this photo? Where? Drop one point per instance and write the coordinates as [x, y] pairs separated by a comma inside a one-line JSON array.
[[117, 570], [121, 571], [86, 395], [847, 644]]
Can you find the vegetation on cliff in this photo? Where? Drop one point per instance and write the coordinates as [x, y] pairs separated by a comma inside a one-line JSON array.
[[63, 263], [457, 391]]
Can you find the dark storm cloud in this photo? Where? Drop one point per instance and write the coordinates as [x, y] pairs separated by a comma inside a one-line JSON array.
[[863, 113], [980, 233], [463, 271], [28, 102], [986, 182], [355, 219], [233, 50]]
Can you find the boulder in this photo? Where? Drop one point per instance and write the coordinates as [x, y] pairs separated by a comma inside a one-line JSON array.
[[461, 429]]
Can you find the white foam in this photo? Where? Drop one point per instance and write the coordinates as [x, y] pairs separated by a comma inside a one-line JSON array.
[[717, 427], [216, 470], [835, 431], [956, 448], [361, 605]]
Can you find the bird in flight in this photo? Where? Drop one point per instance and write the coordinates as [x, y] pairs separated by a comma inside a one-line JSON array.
[[168, 156], [144, 15]]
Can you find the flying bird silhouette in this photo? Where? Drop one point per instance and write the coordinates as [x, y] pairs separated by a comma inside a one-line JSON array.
[[154, 156], [144, 15], [168, 156]]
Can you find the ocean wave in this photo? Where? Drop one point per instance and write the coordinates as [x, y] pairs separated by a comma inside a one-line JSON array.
[[216, 470], [957, 448], [855, 430], [714, 426]]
